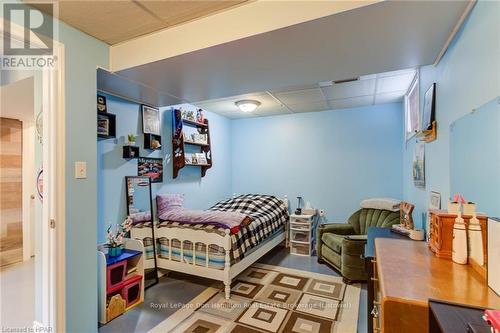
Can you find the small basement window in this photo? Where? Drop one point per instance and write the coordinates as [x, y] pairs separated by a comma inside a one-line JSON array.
[[412, 119]]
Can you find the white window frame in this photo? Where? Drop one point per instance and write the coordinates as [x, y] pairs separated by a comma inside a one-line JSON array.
[[412, 129]]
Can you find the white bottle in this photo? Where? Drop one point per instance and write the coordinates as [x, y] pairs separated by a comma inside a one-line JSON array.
[[459, 246], [475, 241]]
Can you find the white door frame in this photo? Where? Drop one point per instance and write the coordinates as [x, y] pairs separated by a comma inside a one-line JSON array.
[[29, 188], [53, 209]]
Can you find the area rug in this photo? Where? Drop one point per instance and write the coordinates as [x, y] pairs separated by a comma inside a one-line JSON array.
[[272, 299]]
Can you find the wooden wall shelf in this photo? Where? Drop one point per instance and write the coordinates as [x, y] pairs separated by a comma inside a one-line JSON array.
[[428, 135], [194, 123], [130, 152], [196, 144], [178, 144]]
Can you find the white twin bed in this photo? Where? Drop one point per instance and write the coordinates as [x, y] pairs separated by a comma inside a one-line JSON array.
[[213, 252]]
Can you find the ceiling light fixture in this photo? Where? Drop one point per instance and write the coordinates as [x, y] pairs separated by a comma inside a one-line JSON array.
[[247, 105]]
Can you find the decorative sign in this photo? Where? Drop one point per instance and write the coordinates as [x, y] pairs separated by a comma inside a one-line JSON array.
[[150, 167]]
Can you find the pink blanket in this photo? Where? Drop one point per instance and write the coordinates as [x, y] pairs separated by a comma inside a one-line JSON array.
[[227, 220]]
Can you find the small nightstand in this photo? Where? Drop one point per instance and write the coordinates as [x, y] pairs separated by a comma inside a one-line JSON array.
[[299, 234]]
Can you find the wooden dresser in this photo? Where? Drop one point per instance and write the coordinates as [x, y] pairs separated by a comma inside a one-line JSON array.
[[407, 275], [441, 232]]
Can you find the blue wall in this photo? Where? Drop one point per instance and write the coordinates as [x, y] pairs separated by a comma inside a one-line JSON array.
[[83, 55], [467, 77], [475, 157], [334, 159], [200, 193]]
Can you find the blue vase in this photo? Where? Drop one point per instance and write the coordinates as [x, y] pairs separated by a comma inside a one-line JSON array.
[[115, 251]]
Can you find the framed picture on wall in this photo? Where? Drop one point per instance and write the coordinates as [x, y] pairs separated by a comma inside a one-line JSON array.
[[429, 110], [435, 200], [150, 167], [150, 120], [419, 165]]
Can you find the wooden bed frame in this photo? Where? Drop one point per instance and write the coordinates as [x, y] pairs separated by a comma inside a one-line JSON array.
[[195, 236]]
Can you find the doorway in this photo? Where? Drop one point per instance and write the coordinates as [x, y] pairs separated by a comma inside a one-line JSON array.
[[11, 225], [18, 153], [17, 172], [33, 290]]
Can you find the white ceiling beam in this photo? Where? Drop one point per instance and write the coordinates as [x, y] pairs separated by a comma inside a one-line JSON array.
[[250, 19]]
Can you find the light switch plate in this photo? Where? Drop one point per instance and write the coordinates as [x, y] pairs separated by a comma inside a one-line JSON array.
[[80, 170]]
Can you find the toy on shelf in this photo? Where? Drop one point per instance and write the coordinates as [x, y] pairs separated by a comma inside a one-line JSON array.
[[405, 215], [405, 219]]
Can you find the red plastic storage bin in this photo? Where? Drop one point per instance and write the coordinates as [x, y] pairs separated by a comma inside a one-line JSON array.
[[131, 291], [115, 275]]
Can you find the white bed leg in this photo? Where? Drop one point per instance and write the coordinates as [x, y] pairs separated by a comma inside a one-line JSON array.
[[227, 265], [227, 289]]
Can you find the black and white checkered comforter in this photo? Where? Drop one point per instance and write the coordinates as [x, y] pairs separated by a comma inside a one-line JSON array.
[[268, 214]]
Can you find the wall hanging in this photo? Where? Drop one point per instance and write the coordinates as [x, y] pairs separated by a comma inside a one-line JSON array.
[[150, 167], [419, 165], [150, 120]]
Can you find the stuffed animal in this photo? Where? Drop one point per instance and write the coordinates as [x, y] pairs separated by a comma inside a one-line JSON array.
[[405, 215]]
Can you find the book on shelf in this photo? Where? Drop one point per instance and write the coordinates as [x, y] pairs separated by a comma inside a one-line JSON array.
[[196, 159]]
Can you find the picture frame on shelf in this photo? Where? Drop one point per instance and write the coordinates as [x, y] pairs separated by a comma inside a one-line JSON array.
[[429, 109], [194, 159], [103, 126], [201, 158], [150, 120], [151, 167], [101, 104]]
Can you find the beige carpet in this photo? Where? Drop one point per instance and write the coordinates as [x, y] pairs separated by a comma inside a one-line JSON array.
[[273, 299]]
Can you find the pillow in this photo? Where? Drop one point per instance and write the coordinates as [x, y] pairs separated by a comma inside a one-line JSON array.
[[140, 217], [168, 202], [381, 203]]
